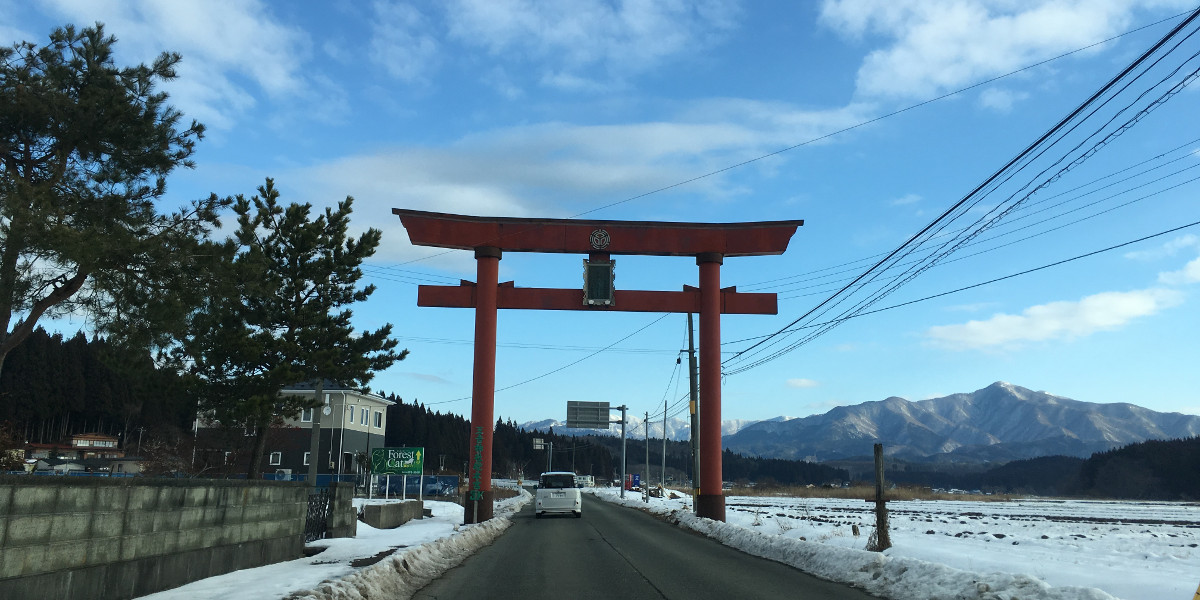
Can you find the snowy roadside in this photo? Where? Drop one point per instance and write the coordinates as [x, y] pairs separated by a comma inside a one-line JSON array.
[[892, 577], [392, 563]]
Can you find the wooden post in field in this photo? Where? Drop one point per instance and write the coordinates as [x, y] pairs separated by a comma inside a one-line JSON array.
[[879, 540]]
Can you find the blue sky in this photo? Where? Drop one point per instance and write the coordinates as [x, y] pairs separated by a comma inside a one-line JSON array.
[[590, 108]]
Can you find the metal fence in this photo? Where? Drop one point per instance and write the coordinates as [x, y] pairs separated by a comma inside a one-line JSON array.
[[316, 524]]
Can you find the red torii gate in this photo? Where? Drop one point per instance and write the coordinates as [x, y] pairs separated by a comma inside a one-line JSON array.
[[490, 237]]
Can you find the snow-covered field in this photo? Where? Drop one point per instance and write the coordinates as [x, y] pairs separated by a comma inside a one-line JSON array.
[[1027, 549], [1131, 550]]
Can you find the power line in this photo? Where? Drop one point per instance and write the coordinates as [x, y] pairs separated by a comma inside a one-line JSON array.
[[978, 193], [843, 130], [791, 279], [990, 281], [1046, 231], [1035, 150], [568, 365]]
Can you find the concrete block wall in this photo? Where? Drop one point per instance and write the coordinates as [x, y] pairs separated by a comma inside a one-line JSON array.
[[343, 519], [394, 514], [104, 539]]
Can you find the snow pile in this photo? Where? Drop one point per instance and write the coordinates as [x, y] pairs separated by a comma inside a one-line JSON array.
[[401, 575], [896, 578]]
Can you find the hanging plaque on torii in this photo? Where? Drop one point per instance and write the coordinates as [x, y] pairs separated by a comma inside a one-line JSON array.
[[490, 237]]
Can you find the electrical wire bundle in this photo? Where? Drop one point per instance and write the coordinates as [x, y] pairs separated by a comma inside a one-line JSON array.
[[1150, 81]]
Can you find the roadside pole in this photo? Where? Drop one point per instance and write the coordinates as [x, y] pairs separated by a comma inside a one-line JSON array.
[[693, 405], [880, 540], [314, 442], [623, 409], [663, 482]]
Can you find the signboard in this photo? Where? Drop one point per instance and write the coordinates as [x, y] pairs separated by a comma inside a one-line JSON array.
[[598, 278], [397, 461], [588, 415]]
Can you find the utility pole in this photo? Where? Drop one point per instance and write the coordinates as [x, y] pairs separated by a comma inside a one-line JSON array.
[[693, 405], [314, 445], [647, 423], [623, 408], [664, 455]]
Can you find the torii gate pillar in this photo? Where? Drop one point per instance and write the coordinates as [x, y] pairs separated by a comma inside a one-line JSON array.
[[479, 502], [711, 501], [489, 237]]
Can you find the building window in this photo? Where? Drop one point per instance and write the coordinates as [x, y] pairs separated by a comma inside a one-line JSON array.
[[379, 419], [276, 458], [363, 416], [306, 415], [350, 414], [306, 458]]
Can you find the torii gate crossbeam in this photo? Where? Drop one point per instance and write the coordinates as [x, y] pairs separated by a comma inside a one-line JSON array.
[[490, 237]]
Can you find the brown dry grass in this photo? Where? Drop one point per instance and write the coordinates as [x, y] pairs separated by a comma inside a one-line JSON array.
[[859, 492], [504, 492]]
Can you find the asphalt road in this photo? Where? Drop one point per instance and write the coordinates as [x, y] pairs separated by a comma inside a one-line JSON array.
[[618, 552]]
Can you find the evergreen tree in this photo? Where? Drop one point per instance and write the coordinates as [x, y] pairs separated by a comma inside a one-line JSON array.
[[85, 148], [279, 316]]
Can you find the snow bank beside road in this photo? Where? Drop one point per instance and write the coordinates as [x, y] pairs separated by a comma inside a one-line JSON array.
[[895, 578], [399, 576]]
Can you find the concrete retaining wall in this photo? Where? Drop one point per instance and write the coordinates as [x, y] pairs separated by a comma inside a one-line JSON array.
[[93, 538], [343, 519], [393, 514]]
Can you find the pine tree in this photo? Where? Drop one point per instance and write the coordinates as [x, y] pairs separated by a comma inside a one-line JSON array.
[[279, 317], [85, 148]]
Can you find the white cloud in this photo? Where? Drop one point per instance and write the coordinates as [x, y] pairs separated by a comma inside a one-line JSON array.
[[942, 45], [802, 383], [573, 41], [1000, 100], [402, 42], [1168, 249], [10, 34], [223, 43], [905, 200], [556, 169], [1054, 321], [1190, 273]]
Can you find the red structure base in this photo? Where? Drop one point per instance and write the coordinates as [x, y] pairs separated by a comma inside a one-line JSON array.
[[711, 506], [478, 511]]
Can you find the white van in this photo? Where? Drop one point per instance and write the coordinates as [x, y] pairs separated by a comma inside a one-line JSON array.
[[557, 493]]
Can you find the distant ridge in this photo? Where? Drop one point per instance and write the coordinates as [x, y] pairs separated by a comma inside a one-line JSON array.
[[999, 423], [677, 429]]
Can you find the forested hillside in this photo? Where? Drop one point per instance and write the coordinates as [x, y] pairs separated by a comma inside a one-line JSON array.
[[444, 437], [53, 387], [1157, 469], [1151, 470]]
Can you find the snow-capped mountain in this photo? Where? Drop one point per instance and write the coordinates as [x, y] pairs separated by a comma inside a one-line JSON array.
[[677, 429], [1001, 422]]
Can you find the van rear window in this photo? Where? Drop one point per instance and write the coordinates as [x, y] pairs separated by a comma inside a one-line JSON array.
[[558, 481]]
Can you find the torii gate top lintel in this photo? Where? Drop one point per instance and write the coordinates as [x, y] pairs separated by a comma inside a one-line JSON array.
[[575, 236]]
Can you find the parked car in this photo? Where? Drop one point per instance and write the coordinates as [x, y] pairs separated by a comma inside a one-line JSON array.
[[557, 493]]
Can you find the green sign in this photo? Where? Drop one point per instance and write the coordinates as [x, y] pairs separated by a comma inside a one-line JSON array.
[[398, 461]]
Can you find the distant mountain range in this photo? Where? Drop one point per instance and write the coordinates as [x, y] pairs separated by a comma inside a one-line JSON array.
[[999, 423], [677, 429]]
